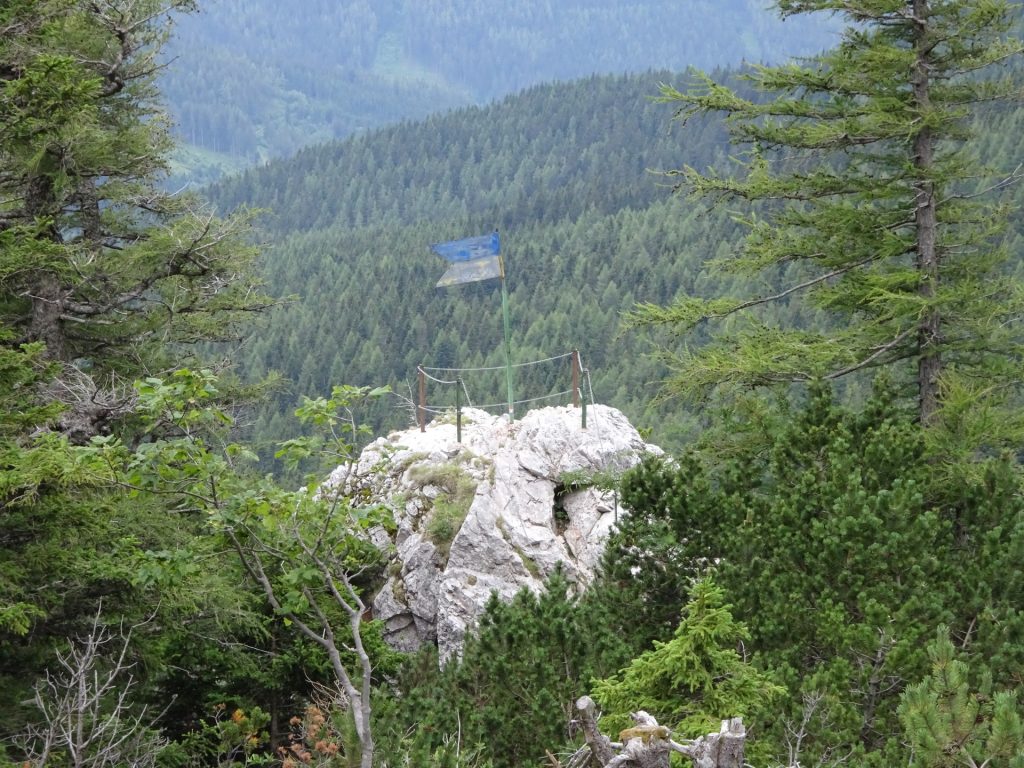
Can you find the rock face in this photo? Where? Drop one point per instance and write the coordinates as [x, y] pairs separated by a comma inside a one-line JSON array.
[[495, 513]]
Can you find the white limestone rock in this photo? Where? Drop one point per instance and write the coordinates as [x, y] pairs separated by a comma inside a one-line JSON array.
[[495, 514]]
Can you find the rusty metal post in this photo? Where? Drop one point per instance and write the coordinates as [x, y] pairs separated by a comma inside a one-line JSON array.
[[458, 411], [575, 378], [422, 410], [584, 401]]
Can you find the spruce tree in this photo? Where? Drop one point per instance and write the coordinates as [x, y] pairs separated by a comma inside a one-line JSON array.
[[865, 202], [694, 680], [105, 277], [109, 270]]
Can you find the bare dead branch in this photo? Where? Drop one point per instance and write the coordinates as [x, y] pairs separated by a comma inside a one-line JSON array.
[[88, 716]]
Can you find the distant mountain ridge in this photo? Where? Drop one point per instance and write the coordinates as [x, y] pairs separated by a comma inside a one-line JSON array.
[[253, 79], [545, 154]]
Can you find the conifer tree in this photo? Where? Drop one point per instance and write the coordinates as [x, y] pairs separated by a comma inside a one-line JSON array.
[[865, 202], [950, 722], [828, 552], [512, 691], [107, 269], [697, 678], [105, 276]]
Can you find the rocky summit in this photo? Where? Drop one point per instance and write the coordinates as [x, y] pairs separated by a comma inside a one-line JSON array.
[[497, 512]]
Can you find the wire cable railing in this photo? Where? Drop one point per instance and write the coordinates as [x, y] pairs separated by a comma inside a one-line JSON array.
[[528, 400], [501, 367], [576, 395]]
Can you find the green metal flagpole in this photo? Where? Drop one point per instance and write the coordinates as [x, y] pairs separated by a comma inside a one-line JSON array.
[[508, 344]]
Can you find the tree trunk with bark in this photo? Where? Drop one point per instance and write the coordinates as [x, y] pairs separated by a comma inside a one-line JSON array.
[[929, 332]]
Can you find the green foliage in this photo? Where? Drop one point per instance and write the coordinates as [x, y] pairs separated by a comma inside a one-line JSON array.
[[140, 560], [606, 480], [864, 203], [107, 489], [513, 690], [843, 536], [695, 680], [223, 740], [21, 371], [336, 433], [841, 556], [449, 476], [588, 233], [950, 724], [451, 505], [446, 519], [648, 564], [140, 520], [308, 550], [102, 265], [128, 539]]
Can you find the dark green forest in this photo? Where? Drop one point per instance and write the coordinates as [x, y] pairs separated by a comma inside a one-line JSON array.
[[573, 177], [277, 76], [566, 173], [817, 309]]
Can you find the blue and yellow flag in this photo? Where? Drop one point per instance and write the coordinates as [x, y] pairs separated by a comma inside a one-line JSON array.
[[470, 259]]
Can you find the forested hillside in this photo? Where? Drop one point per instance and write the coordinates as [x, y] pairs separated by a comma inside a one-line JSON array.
[[260, 79], [564, 172], [568, 173], [842, 573]]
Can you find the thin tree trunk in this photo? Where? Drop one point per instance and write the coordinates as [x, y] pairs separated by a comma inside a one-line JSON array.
[[46, 293], [365, 730], [929, 361]]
